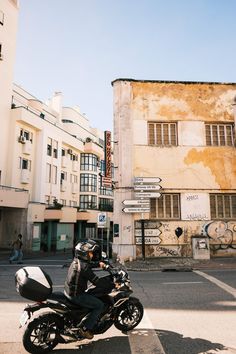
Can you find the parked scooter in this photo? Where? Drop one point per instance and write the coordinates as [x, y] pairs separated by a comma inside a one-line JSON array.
[[62, 323]]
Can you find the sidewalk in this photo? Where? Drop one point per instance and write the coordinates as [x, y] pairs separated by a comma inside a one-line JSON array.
[[181, 264], [150, 264]]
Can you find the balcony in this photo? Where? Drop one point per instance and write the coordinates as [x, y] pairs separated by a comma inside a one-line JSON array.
[[63, 185], [74, 188], [13, 197], [25, 176], [92, 148], [64, 161], [27, 147]]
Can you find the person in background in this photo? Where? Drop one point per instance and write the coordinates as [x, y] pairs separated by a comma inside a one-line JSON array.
[[17, 250]]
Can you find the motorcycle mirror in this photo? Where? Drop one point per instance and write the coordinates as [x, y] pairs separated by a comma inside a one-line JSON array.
[[104, 255]]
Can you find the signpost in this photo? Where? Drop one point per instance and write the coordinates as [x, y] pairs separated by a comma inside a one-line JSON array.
[[146, 188], [136, 202], [148, 195], [148, 240]]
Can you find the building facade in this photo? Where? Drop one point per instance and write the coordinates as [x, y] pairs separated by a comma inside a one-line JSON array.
[[51, 164], [175, 176]]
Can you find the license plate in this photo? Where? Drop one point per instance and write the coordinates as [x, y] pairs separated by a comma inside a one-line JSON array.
[[24, 318]]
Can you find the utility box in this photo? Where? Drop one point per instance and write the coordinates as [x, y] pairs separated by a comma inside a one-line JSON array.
[[200, 247]]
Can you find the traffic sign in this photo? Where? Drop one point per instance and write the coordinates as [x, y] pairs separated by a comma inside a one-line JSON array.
[[136, 210], [146, 187], [136, 202], [147, 179], [106, 182], [147, 195], [148, 240], [102, 219], [147, 232]]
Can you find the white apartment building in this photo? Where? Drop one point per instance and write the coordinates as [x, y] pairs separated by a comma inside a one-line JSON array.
[[51, 164]]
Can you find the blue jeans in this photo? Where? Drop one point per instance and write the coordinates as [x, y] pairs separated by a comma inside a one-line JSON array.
[[17, 256], [91, 302]]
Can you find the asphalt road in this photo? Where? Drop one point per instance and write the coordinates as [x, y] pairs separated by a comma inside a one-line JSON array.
[[185, 313]]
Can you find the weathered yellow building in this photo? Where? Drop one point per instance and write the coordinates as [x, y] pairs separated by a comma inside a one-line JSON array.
[[182, 133]]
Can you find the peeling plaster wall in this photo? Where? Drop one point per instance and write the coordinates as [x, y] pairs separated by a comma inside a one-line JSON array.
[[190, 167]]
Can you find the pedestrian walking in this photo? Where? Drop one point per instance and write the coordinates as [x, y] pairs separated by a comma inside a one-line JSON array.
[[17, 250]]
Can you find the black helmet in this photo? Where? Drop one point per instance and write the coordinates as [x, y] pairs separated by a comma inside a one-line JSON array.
[[82, 249]]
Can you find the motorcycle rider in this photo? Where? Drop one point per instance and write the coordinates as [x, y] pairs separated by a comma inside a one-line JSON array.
[[76, 284]]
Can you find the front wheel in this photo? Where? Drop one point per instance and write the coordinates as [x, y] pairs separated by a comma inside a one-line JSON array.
[[129, 315], [41, 335]]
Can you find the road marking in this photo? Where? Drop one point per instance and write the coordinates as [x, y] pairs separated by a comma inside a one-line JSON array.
[[144, 339], [183, 282], [227, 288]]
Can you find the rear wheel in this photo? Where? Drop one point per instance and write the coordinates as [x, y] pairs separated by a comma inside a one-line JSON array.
[[41, 335], [129, 316]]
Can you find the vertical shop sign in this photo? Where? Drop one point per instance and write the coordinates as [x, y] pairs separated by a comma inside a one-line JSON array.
[[107, 154]]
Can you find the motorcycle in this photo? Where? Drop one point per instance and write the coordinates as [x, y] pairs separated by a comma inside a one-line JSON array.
[[62, 323]]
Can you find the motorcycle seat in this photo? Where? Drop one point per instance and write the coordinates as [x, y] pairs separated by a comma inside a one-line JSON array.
[[60, 297]]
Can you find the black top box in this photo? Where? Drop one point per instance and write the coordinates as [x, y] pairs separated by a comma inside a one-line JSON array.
[[33, 283]]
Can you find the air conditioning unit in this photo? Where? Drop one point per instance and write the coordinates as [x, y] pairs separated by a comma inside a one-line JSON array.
[[22, 139], [70, 152], [88, 140]]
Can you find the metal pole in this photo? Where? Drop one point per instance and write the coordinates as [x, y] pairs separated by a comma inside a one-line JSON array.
[[143, 239]]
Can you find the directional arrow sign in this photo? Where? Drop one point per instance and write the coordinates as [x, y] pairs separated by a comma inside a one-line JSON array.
[[136, 202], [147, 187], [147, 195], [147, 180], [148, 232], [136, 210], [148, 240]]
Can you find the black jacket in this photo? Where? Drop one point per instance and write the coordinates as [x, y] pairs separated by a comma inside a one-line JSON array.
[[78, 275]]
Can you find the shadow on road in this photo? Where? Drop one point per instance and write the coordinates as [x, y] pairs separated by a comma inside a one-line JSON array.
[[173, 343], [114, 345]]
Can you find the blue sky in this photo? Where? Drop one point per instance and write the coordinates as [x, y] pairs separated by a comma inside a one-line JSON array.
[[79, 46]]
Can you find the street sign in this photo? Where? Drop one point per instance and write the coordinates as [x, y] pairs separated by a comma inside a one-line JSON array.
[[136, 202], [148, 232], [136, 210], [147, 195], [147, 187], [147, 179], [148, 240], [102, 219], [106, 182]]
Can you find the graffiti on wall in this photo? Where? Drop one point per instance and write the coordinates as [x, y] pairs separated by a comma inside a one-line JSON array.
[[221, 234]]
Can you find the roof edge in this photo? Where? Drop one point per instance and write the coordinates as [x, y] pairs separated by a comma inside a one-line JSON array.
[[174, 82]]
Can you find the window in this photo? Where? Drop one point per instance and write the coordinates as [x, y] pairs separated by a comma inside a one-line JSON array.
[[103, 168], [48, 173], [25, 164], [1, 18], [88, 182], [73, 178], [106, 191], [162, 134], [55, 149], [219, 134], [165, 207], [63, 176], [63, 152], [1, 57], [63, 202], [54, 174], [72, 203], [74, 157], [26, 134], [223, 206], [105, 204], [88, 202], [88, 162], [49, 147], [47, 199]]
